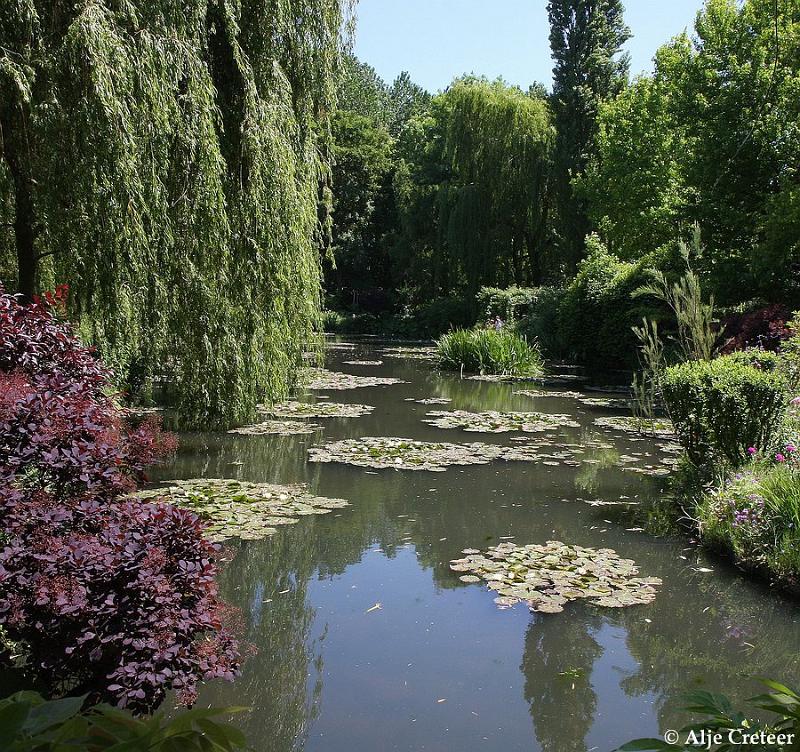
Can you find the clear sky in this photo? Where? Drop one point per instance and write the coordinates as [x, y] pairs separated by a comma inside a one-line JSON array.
[[435, 40]]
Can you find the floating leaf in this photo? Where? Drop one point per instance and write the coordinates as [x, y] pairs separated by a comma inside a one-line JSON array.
[[237, 509], [548, 577]]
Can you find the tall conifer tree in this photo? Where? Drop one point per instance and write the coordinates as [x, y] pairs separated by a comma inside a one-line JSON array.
[[586, 37]]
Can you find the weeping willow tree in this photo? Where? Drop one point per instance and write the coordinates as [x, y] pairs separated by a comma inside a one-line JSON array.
[[491, 205], [165, 158]]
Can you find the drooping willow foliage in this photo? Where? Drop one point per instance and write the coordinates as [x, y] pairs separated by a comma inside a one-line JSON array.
[[167, 158], [492, 210]]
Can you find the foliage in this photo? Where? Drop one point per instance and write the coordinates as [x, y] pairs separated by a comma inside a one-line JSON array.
[[737, 731], [363, 204], [722, 407], [585, 41], [487, 351], [510, 304], [633, 185], [755, 515], [104, 595], [30, 723], [711, 137], [764, 328], [697, 335], [469, 215], [597, 312], [192, 140]]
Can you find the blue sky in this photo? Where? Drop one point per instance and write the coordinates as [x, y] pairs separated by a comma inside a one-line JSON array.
[[436, 40]]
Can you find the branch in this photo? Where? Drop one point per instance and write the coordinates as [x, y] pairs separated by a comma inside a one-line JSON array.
[[40, 256]]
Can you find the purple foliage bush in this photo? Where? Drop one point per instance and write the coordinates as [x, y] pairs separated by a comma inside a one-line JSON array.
[[106, 595]]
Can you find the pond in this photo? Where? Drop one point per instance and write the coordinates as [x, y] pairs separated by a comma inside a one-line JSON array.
[[364, 639]]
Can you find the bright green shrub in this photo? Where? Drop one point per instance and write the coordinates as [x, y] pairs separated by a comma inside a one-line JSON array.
[[488, 351], [722, 407], [763, 360]]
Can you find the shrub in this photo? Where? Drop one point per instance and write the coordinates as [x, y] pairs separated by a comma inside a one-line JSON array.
[[29, 722], [510, 304], [488, 351], [722, 407], [598, 312], [109, 596], [764, 328], [541, 322]]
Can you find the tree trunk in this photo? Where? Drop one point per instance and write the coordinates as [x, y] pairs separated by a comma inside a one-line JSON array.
[[18, 161]]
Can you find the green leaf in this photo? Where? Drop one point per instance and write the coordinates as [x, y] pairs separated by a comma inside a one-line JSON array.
[[643, 745], [52, 713]]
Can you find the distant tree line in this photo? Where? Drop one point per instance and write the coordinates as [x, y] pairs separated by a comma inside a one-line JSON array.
[[485, 184]]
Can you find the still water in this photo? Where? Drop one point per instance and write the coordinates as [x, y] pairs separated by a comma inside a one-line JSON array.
[[438, 666]]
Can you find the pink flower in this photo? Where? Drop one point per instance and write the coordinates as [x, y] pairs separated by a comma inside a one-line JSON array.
[[796, 401], [780, 458], [751, 451], [791, 448]]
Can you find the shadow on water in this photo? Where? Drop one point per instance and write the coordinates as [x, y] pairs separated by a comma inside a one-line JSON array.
[[365, 640]]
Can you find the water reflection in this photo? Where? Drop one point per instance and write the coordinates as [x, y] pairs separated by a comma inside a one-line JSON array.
[[438, 666]]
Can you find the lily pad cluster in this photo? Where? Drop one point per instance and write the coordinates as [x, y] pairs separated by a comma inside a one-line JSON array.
[[548, 576], [492, 421], [278, 428], [293, 409], [363, 362], [537, 393], [654, 427], [613, 403], [432, 401], [410, 353], [237, 509], [320, 378], [383, 452]]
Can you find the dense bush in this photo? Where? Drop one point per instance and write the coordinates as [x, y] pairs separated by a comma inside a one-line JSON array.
[[597, 313], [104, 595], [28, 722], [510, 303], [765, 328], [488, 351], [722, 407]]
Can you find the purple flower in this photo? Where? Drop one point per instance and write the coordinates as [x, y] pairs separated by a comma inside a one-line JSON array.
[[780, 458], [751, 451], [791, 448]]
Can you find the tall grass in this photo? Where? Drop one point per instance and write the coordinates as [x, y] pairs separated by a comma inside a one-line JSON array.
[[487, 351]]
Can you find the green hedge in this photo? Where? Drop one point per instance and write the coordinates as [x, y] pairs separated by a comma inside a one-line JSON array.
[[722, 407]]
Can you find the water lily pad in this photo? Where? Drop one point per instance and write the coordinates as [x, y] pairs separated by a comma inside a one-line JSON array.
[[363, 362], [654, 427], [499, 422], [292, 409], [537, 393], [611, 403], [549, 576], [320, 378], [410, 353], [408, 454], [278, 428], [238, 509], [433, 401]]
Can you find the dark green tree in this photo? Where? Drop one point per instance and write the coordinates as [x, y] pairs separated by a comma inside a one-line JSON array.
[[362, 206], [406, 100], [586, 37]]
